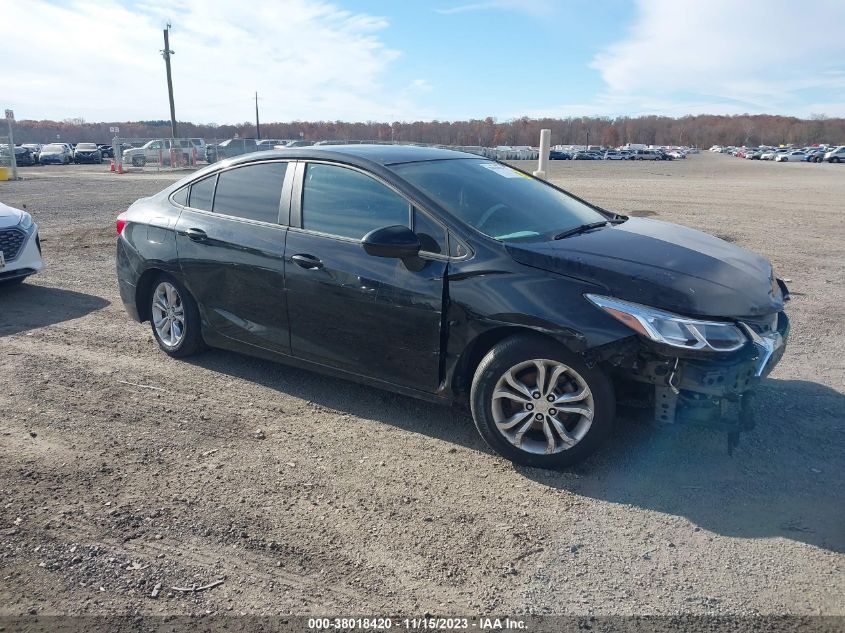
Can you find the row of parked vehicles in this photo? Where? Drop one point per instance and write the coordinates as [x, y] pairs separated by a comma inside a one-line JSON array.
[[60, 153], [811, 154], [621, 154]]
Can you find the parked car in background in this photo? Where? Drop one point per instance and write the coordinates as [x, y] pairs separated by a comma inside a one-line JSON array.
[[613, 154], [585, 156], [645, 154], [56, 153], [677, 154], [375, 266], [555, 154], [35, 148], [198, 144], [230, 148], [107, 151], [23, 155], [87, 153], [753, 154], [795, 155], [20, 246], [162, 151], [836, 155], [814, 155], [266, 144]]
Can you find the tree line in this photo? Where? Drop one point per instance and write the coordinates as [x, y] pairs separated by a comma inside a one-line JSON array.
[[694, 130]]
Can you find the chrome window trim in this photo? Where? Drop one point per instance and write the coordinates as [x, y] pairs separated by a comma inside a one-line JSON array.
[[284, 200]]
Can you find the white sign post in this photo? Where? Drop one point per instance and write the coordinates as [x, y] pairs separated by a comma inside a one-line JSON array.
[[543, 159], [10, 116], [117, 155]]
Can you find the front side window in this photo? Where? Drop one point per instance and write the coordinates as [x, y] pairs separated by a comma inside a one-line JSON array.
[[432, 235], [252, 192], [202, 193], [499, 201], [344, 202]]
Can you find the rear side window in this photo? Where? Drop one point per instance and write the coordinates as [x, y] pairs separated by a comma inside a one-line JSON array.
[[181, 196], [252, 192], [345, 202], [202, 193]]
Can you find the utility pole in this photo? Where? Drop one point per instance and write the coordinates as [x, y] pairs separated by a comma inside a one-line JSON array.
[[166, 53], [257, 126]]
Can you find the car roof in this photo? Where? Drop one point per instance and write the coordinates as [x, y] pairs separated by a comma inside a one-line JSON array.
[[380, 154]]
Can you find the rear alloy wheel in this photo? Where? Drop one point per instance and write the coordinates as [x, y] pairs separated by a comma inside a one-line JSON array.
[[538, 404], [174, 318], [834, 159]]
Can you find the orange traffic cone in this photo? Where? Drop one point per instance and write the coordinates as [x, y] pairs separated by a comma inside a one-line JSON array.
[[120, 168], [111, 166]]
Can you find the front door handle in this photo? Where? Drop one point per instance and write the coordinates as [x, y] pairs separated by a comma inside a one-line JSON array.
[[307, 261], [197, 235]]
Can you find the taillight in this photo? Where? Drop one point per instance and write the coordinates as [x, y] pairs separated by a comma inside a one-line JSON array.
[[120, 222]]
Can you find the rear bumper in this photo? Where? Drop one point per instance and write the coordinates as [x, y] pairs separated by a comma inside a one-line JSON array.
[[127, 279]]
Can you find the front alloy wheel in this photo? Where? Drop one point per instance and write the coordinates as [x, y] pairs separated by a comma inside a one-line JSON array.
[[539, 404], [542, 406]]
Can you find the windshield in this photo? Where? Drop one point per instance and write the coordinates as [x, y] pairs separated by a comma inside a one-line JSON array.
[[52, 149], [497, 200], [86, 146]]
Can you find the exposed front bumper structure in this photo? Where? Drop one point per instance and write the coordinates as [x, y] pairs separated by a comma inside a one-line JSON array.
[[708, 388]]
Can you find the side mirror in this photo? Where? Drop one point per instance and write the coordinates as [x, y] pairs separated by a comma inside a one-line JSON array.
[[397, 241]]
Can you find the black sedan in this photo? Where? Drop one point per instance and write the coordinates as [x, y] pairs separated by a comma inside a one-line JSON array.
[[454, 278], [87, 153]]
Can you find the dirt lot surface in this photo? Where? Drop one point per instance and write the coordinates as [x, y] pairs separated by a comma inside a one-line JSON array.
[[124, 473]]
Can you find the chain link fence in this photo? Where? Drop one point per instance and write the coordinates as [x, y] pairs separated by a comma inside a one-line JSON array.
[[166, 154]]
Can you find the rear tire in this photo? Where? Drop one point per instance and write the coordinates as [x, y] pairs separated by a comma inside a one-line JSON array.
[[174, 318], [834, 159], [548, 417]]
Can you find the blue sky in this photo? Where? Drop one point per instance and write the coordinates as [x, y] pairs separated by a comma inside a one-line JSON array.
[[433, 59]]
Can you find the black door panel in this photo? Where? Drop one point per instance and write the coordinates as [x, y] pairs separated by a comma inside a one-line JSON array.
[[365, 314], [236, 274]]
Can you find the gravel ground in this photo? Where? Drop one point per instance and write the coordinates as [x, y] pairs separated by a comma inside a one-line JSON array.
[[124, 473]]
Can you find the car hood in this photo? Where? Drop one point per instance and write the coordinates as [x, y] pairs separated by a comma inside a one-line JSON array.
[[9, 216], [663, 265]]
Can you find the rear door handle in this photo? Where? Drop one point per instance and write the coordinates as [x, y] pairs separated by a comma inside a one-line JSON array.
[[197, 235], [307, 261]]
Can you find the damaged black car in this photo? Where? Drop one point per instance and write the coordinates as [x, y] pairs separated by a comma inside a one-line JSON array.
[[457, 279]]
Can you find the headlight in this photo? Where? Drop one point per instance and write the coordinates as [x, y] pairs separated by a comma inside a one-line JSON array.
[[672, 329], [26, 221]]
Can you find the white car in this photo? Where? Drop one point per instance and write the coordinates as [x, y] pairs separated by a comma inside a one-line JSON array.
[[771, 154], [614, 155], [20, 248], [836, 155], [794, 156]]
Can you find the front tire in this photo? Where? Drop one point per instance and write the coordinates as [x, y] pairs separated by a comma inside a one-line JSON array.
[[538, 404], [174, 318]]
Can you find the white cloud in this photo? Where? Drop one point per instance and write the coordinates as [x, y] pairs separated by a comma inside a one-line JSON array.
[[100, 59], [537, 8], [755, 55]]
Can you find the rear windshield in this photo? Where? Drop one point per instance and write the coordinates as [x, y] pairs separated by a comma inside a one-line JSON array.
[[498, 200]]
